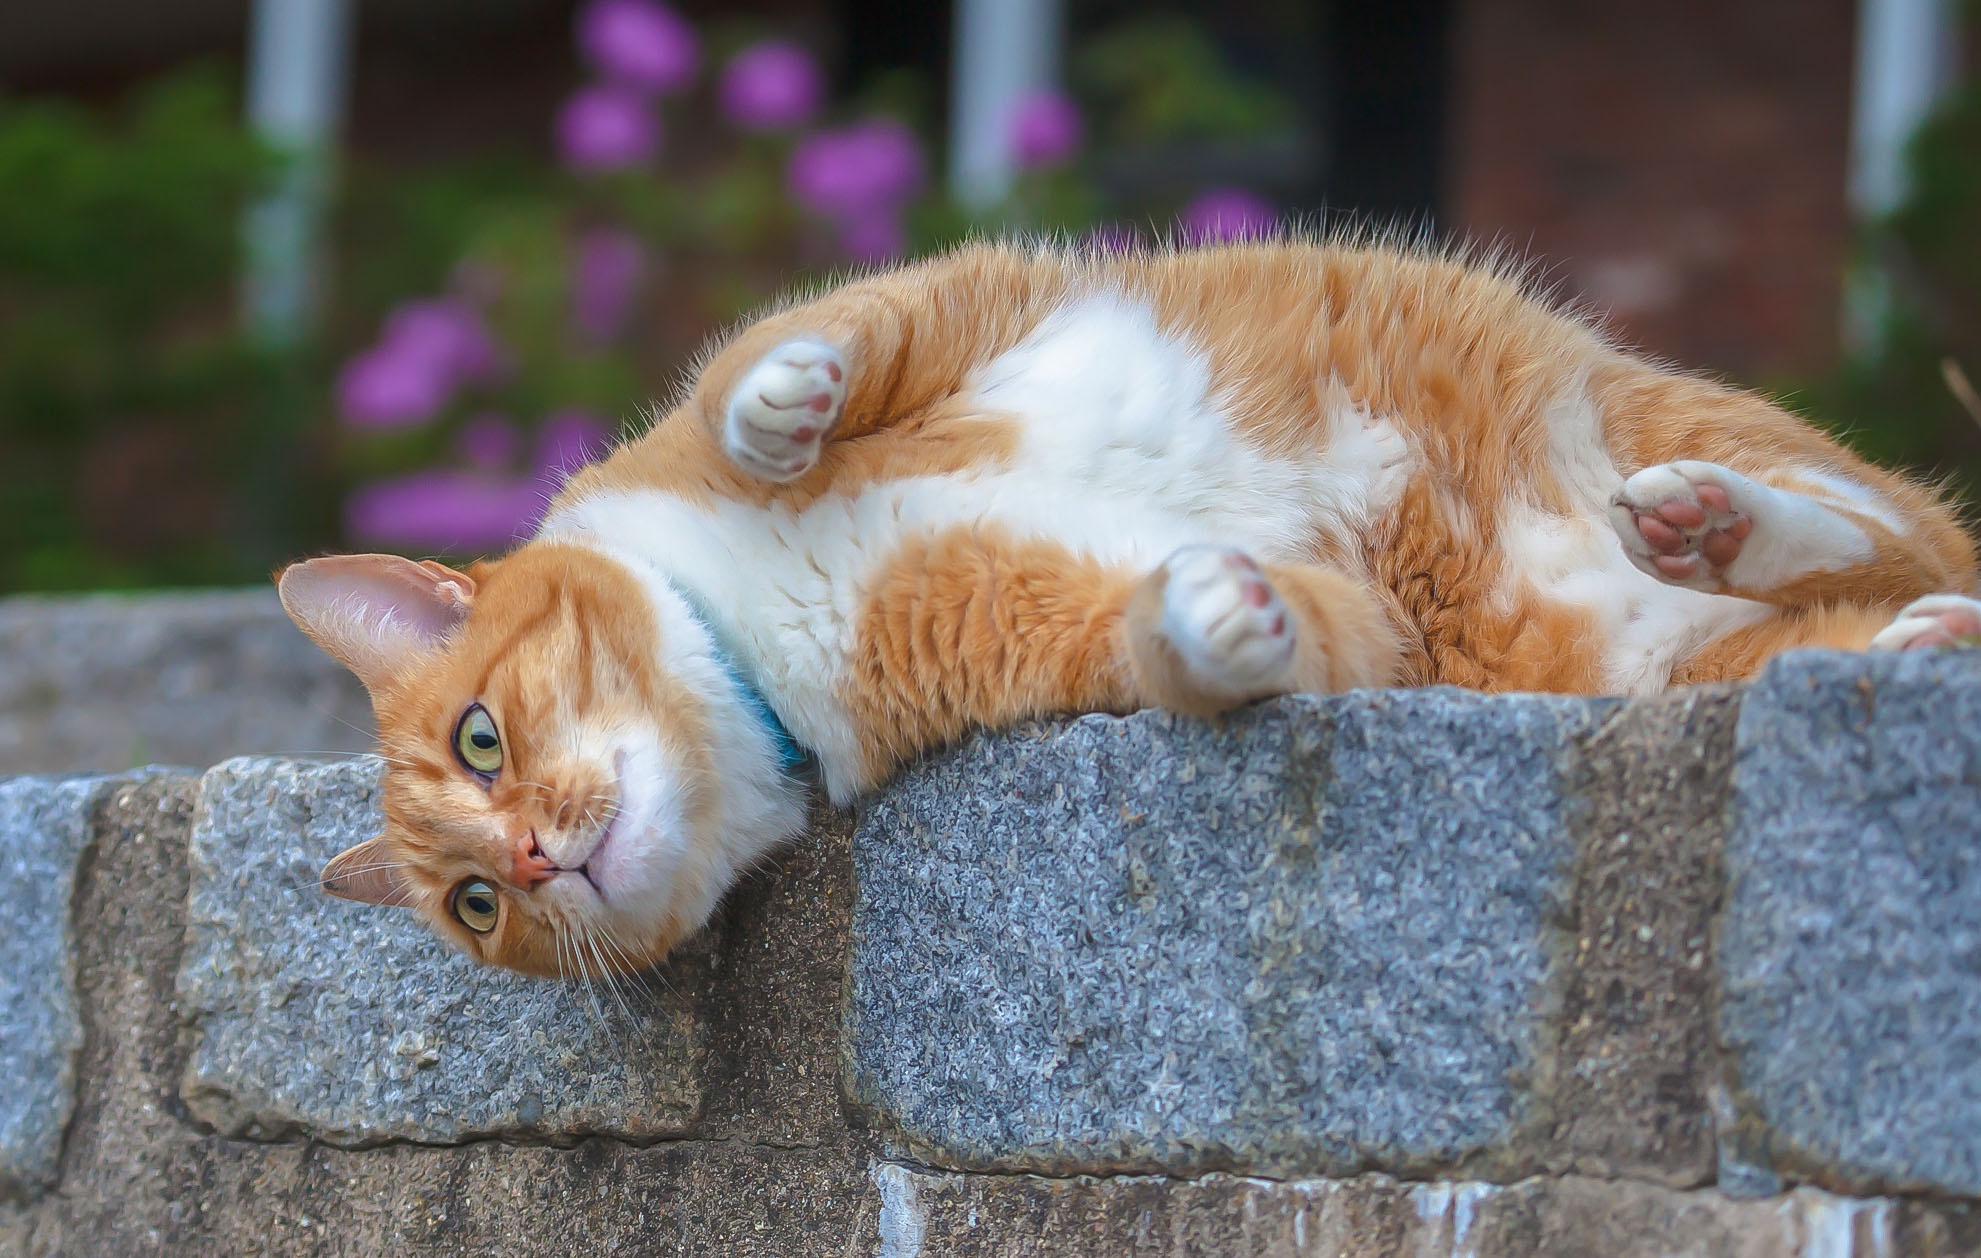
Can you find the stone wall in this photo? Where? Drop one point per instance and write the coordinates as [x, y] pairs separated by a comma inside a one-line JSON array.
[[1387, 974], [108, 681]]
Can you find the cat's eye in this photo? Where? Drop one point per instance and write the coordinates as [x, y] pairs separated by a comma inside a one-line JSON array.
[[476, 741], [474, 905]]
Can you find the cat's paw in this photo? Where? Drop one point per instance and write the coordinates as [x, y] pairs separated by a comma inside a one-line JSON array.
[[1227, 622], [1936, 620], [783, 410], [1685, 522]]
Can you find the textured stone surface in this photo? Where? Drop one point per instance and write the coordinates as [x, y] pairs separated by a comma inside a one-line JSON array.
[[105, 682], [44, 829], [772, 1168], [775, 993], [355, 1024], [1647, 800], [141, 1176], [1316, 938], [977, 1216], [1852, 939]]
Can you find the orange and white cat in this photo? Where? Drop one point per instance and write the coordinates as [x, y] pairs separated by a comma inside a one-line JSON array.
[[1015, 481]]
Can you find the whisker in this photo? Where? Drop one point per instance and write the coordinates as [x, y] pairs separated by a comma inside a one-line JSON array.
[[608, 973], [622, 969], [584, 979], [635, 973]]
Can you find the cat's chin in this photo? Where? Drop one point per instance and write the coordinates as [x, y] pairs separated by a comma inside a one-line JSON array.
[[634, 867]]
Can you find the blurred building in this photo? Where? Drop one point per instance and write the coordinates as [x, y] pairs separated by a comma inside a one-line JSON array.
[[1680, 167]]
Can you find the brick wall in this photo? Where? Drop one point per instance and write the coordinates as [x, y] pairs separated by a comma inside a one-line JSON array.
[[1680, 165]]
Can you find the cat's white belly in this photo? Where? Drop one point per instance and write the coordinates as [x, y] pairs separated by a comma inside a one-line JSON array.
[[1125, 455]]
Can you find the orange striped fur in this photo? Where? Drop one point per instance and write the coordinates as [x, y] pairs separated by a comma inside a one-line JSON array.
[[1012, 482]]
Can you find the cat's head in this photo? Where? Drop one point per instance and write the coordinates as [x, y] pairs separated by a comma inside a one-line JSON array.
[[553, 796]]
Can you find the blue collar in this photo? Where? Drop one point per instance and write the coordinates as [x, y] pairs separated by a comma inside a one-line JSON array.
[[790, 756]]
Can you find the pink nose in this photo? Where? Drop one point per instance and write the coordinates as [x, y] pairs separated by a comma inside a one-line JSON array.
[[528, 866]]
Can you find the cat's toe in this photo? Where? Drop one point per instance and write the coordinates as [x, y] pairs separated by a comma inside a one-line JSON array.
[[1684, 522], [1936, 620], [784, 408], [1226, 620]]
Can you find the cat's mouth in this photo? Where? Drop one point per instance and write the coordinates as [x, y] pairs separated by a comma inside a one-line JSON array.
[[594, 863]]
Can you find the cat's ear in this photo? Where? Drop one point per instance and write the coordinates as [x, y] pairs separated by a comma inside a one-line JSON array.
[[368, 874], [377, 614]]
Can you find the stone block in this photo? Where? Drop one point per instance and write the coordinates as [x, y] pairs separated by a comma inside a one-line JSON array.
[[44, 831], [1852, 939], [353, 1024], [1370, 1216], [1319, 937], [1638, 1055], [104, 682]]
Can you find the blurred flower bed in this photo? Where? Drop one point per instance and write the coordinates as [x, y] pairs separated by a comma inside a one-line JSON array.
[[496, 323], [493, 323]]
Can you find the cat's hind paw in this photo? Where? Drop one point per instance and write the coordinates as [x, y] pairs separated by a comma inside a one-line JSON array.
[[1226, 621], [1685, 522], [783, 410], [1936, 620]]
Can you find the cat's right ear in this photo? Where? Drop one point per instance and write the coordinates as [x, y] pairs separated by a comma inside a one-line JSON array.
[[368, 874], [377, 614]]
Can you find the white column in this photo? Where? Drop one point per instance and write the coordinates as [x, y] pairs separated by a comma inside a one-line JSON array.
[[1004, 49], [1906, 60], [1905, 63], [298, 52]]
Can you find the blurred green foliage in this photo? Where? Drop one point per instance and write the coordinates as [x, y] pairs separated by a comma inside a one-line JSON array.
[[1159, 80], [1920, 276], [123, 385]]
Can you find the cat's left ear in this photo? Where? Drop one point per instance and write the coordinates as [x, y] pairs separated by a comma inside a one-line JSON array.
[[377, 614], [368, 874]]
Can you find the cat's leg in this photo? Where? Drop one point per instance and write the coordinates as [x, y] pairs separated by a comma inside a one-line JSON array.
[[1212, 629], [977, 629], [780, 413], [1791, 537], [1934, 621], [884, 352]]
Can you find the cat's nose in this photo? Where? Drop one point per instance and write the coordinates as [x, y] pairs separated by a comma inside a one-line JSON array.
[[528, 866]]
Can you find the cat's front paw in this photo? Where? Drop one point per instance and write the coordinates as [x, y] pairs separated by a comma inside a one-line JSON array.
[[783, 410], [1936, 620], [1685, 522], [1226, 621]]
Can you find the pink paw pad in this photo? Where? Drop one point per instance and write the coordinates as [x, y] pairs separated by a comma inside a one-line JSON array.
[[784, 408], [1223, 615], [1679, 522]]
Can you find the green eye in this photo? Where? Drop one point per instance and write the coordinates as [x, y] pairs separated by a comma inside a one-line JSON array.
[[474, 904], [476, 741]]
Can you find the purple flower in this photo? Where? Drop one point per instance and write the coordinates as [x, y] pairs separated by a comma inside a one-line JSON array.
[[873, 235], [855, 169], [771, 86], [1227, 214], [488, 442], [447, 333], [444, 510], [389, 387], [1046, 130], [606, 128], [569, 440], [604, 282], [639, 44]]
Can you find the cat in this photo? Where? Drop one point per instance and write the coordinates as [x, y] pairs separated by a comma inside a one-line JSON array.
[[1015, 481]]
